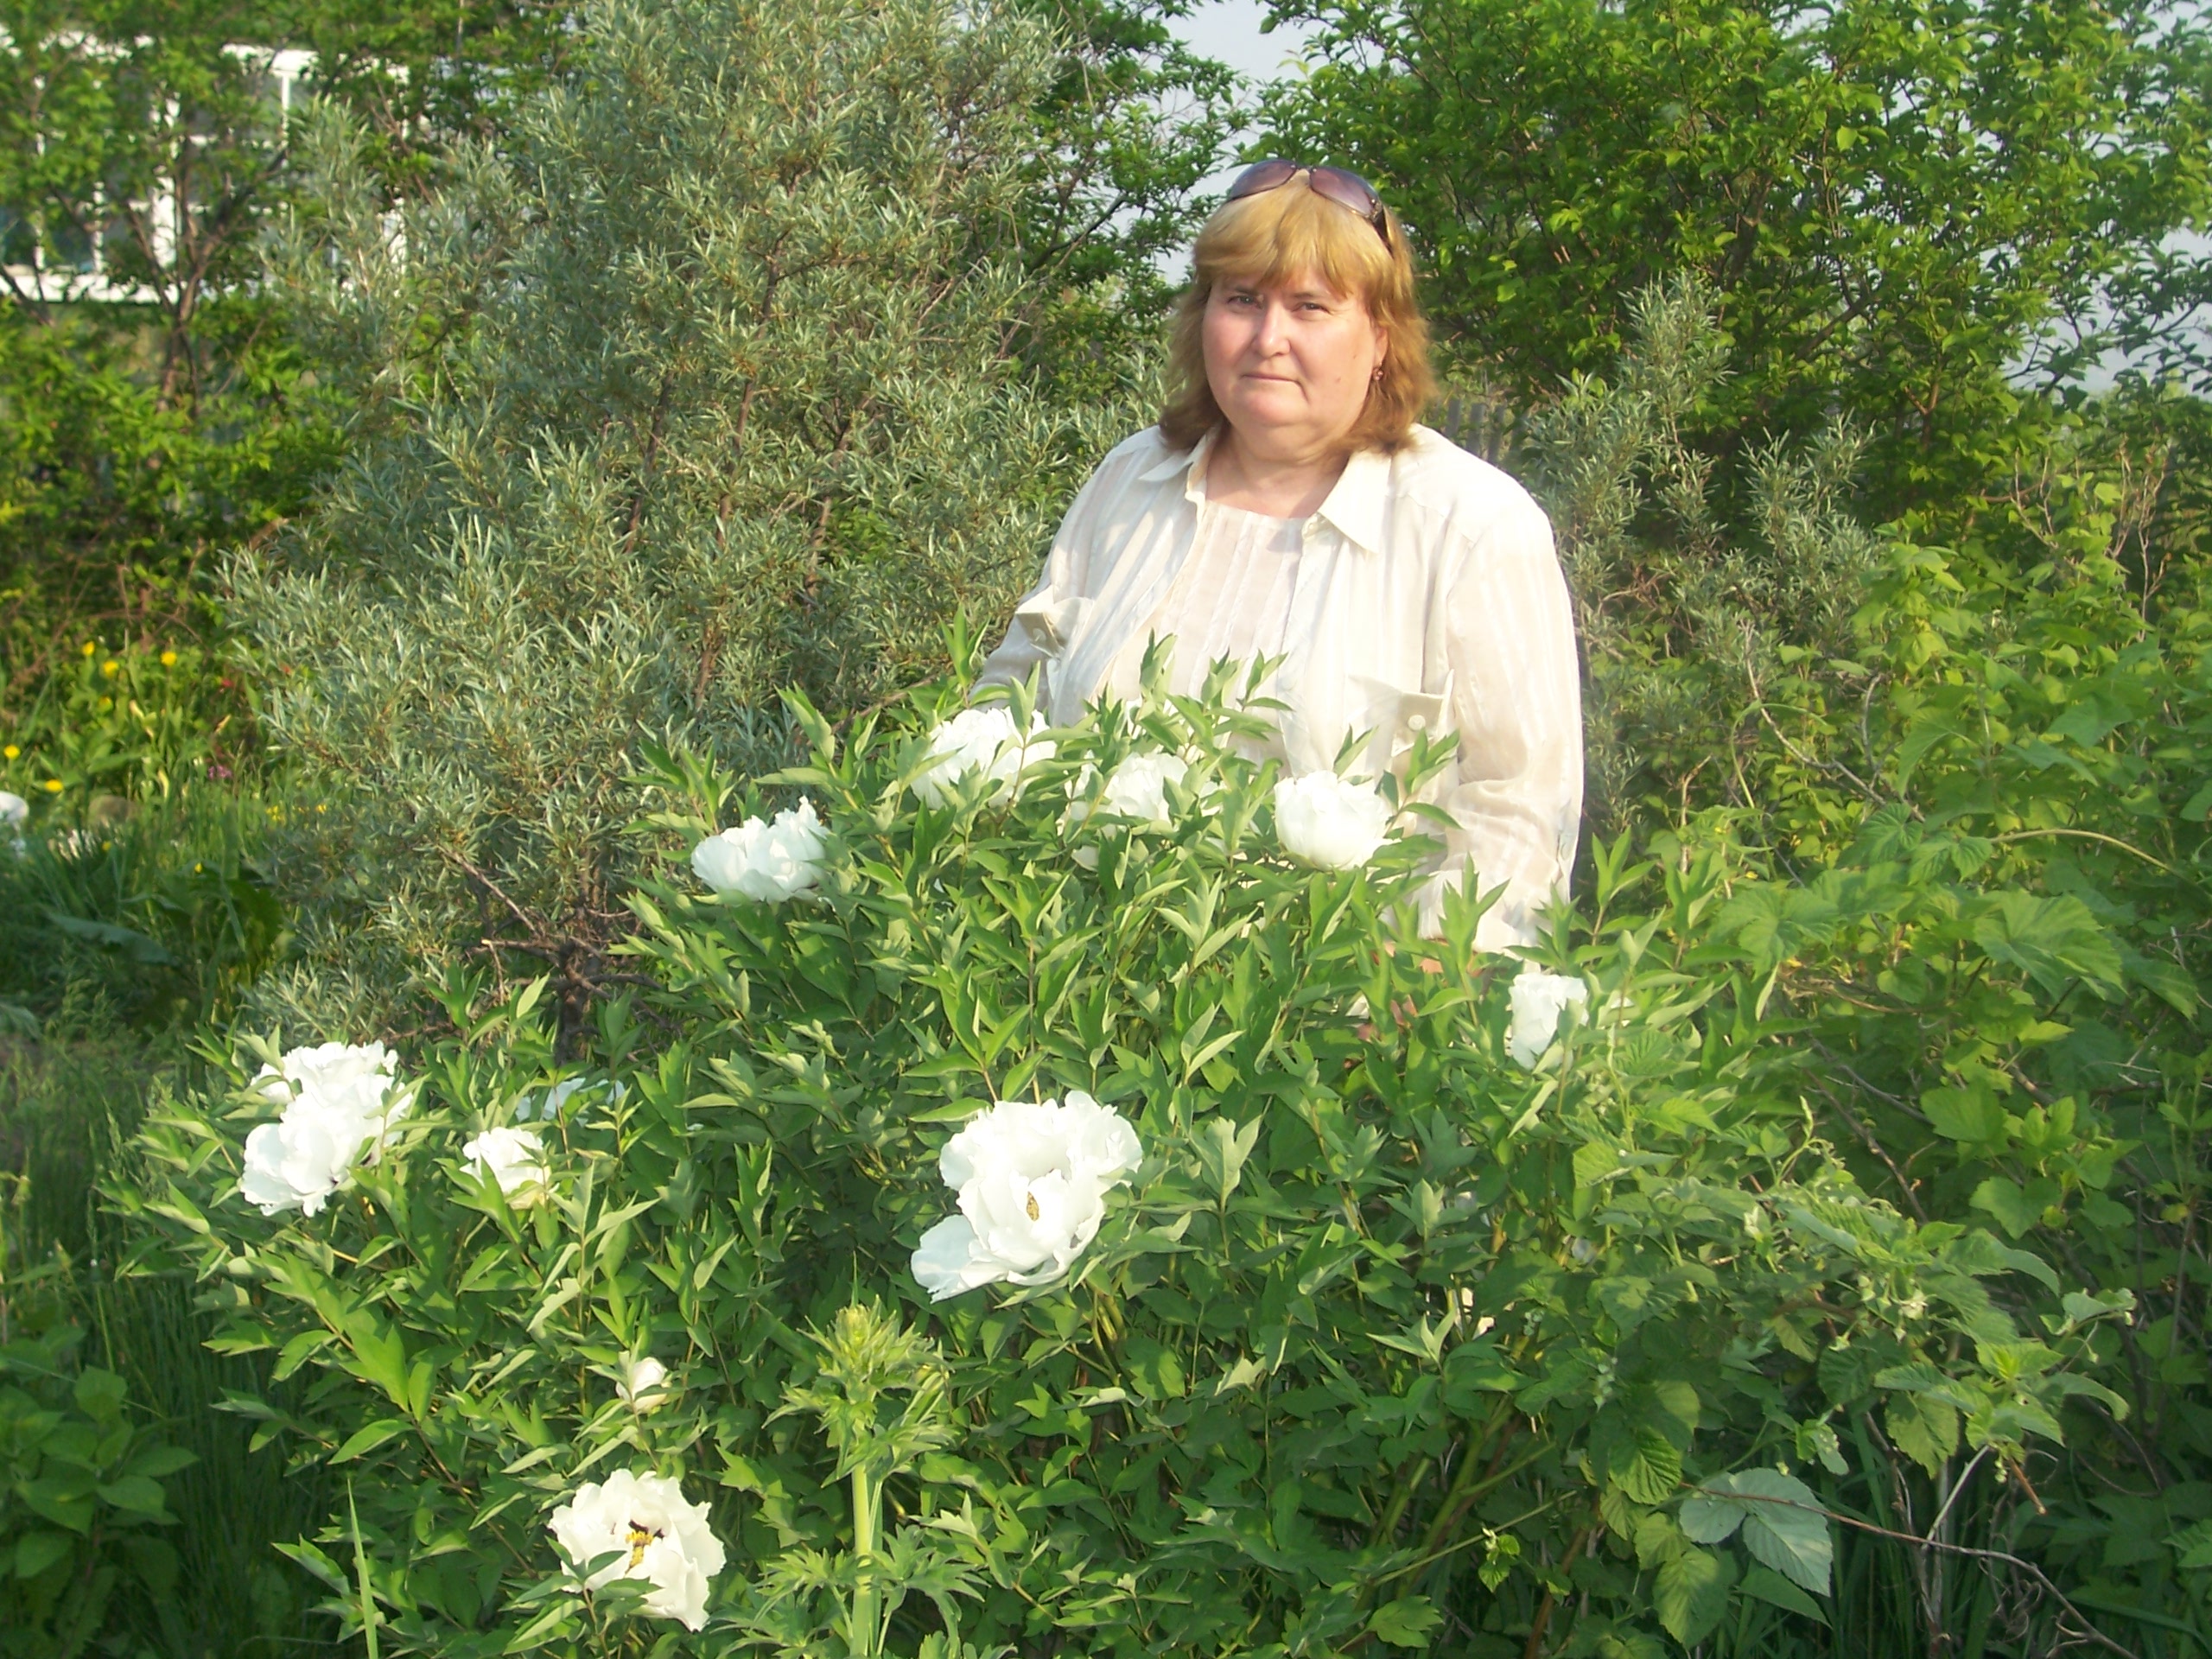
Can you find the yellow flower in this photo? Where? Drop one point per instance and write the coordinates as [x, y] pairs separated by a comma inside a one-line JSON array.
[[110, 666], [168, 659], [54, 785], [11, 752], [90, 647]]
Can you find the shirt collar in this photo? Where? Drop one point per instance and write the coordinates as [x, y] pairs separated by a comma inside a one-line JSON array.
[[1354, 506], [1190, 462]]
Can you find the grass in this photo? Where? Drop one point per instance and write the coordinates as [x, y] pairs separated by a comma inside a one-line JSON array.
[[120, 935]]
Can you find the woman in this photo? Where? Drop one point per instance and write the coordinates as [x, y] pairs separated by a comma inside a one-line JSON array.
[[1287, 506]]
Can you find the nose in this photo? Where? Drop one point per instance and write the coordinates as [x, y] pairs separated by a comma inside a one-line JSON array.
[[1275, 319]]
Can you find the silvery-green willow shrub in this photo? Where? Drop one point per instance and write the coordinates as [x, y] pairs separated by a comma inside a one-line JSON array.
[[708, 380], [1361, 1332]]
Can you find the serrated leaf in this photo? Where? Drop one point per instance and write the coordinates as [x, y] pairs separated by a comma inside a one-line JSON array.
[[1770, 1586], [1691, 1593], [1924, 1429], [1646, 1466], [1405, 1623]]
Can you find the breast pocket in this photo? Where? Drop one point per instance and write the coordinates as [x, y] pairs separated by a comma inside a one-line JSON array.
[[1394, 716], [1050, 621]]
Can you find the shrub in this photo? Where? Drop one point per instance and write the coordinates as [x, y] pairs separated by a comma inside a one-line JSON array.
[[713, 386], [1389, 1339]]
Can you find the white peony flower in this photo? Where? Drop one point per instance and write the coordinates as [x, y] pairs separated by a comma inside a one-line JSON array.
[[1332, 821], [767, 861], [980, 740], [1539, 1000], [340, 1101], [1033, 1180], [641, 1384], [1136, 789], [643, 1520], [515, 1158]]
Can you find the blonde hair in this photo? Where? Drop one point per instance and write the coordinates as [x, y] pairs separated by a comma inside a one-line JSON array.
[[1286, 233]]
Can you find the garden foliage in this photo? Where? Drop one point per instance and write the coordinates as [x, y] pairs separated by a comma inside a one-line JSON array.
[[1912, 206], [1389, 1339], [707, 382]]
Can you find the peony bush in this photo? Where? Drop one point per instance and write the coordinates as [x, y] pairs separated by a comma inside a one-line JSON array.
[[1037, 1240]]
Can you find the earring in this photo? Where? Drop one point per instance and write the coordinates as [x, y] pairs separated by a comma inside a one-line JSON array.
[[1377, 375]]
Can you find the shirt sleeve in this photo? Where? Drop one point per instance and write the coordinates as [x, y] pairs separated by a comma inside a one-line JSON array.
[[1516, 696], [1046, 617]]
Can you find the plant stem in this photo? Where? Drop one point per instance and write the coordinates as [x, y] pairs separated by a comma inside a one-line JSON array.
[[866, 1639]]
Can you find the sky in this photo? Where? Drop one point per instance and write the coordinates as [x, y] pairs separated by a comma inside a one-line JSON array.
[[1229, 31]]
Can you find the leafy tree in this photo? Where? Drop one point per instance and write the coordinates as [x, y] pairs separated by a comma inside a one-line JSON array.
[[1130, 122], [707, 382], [1903, 202], [152, 412]]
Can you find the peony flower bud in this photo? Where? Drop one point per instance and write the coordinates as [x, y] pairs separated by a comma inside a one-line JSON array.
[[1333, 822], [514, 1158], [769, 863], [1539, 999], [642, 1520], [980, 740], [641, 1385], [340, 1100], [1032, 1180]]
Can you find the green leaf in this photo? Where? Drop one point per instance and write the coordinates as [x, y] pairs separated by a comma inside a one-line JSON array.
[[98, 1394], [369, 1438], [2055, 941], [139, 1494], [1784, 1528], [1691, 1592], [1780, 1518], [1972, 1113], [1646, 1466], [1770, 1588], [1924, 1429], [1405, 1623], [37, 1551], [2017, 1208], [1222, 1148]]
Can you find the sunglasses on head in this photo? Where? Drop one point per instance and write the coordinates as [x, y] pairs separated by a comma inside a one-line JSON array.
[[1346, 189]]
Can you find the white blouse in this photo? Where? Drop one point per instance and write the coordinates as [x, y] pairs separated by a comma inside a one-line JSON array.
[[1232, 597], [1426, 594]]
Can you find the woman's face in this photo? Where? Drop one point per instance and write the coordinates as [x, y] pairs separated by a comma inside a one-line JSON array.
[[1290, 365]]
